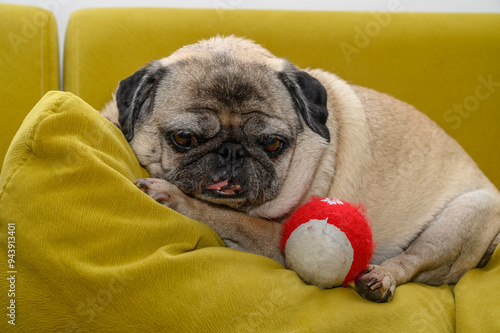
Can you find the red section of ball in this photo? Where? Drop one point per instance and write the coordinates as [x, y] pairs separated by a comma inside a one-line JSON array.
[[345, 216]]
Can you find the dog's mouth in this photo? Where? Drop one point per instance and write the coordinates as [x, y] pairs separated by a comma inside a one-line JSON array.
[[226, 187]]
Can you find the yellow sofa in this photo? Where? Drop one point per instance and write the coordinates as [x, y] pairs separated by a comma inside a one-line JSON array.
[[94, 253]]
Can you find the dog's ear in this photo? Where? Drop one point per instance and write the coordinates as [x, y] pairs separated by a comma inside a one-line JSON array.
[[309, 97], [135, 96]]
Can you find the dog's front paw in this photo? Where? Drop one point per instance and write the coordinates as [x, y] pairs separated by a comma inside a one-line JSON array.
[[162, 191], [376, 285]]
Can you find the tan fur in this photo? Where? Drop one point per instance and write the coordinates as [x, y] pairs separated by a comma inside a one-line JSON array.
[[433, 212], [110, 111]]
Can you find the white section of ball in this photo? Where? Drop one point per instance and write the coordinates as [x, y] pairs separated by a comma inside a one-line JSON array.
[[320, 253], [332, 201]]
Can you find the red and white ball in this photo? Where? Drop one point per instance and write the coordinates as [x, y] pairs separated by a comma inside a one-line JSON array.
[[327, 242]]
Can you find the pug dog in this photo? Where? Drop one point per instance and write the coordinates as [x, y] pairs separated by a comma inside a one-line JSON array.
[[238, 138]]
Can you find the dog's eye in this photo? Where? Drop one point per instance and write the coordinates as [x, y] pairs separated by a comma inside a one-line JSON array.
[[272, 144], [184, 140]]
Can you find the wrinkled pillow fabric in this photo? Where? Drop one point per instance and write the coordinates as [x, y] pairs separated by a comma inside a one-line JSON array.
[[94, 253]]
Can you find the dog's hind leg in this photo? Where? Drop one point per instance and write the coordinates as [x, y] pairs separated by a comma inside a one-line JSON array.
[[454, 242]]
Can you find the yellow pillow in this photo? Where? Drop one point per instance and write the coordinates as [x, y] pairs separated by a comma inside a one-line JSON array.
[[94, 253]]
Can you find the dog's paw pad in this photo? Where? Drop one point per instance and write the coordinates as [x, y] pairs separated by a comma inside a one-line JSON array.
[[376, 285]]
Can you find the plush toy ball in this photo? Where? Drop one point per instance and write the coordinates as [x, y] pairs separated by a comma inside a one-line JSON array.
[[327, 242]]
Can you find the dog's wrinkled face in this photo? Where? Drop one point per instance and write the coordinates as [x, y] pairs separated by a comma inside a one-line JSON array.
[[219, 127]]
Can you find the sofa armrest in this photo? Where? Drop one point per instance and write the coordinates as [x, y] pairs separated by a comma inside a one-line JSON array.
[[29, 64]]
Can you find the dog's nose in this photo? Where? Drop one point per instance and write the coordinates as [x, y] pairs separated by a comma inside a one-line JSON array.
[[232, 153], [230, 158]]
